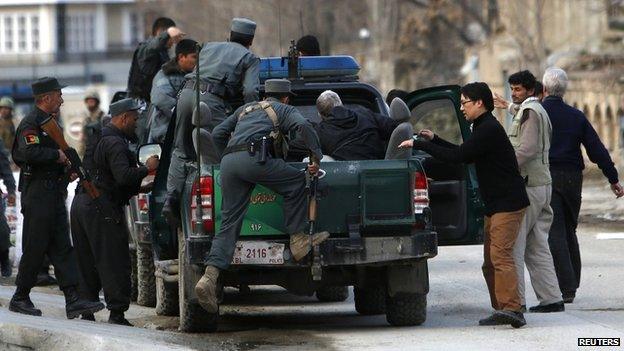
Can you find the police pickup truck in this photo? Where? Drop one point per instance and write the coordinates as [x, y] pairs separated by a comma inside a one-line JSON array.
[[386, 217]]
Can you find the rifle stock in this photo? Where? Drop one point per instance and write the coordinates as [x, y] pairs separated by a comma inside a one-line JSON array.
[[55, 133]]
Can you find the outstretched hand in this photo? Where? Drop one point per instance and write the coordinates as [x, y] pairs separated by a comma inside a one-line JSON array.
[[406, 144], [617, 190]]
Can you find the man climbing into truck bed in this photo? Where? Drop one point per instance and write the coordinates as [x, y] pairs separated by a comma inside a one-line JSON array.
[[253, 156]]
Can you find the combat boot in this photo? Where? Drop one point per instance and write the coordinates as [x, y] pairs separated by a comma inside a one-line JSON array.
[[117, 317], [75, 306], [20, 303], [88, 317], [206, 290], [300, 243]]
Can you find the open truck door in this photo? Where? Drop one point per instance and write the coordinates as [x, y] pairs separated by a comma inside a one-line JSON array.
[[456, 206]]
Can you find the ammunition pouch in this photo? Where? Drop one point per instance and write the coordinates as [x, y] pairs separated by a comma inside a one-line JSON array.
[[262, 148]]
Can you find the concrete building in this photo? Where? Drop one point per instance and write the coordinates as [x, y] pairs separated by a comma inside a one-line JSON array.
[[586, 38], [86, 44]]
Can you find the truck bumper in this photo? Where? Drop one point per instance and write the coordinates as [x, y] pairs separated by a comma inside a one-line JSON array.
[[338, 252]]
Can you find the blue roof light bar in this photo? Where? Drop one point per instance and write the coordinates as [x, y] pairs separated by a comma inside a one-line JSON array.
[[310, 67]]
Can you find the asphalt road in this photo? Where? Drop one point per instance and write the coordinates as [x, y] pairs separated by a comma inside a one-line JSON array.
[[268, 318]]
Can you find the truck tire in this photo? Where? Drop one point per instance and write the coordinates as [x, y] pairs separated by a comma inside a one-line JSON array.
[[332, 293], [146, 281], [167, 303], [193, 318], [370, 300], [134, 287], [404, 309]]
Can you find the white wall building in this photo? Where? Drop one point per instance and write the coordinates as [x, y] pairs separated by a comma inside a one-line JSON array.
[[80, 42]]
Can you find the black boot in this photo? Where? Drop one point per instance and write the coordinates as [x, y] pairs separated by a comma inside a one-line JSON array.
[[117, 317], [44, 278], [20, 303], [552, 307], [75, 306], [88, 317], [6, 268]]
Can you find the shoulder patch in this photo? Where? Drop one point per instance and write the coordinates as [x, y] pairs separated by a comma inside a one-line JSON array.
[[31, 139]]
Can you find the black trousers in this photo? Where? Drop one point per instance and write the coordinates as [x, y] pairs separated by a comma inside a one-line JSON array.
[[562, 239], [102, 250], [46, 231]]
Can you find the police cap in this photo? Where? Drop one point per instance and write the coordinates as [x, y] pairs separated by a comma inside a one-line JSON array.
[[277, 86], [45, 85], [122, 106], [243, 26], [7, 102]]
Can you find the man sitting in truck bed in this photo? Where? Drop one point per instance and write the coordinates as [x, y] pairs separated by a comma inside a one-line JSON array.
[[351, 133]]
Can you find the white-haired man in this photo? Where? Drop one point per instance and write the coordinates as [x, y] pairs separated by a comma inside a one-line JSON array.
[[570, 129], [354, 133]]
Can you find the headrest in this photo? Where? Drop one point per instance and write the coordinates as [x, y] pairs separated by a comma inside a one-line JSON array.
[[399, 110]]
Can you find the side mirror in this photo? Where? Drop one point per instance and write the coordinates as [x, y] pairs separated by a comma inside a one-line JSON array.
[[204, 117], [148, 150]]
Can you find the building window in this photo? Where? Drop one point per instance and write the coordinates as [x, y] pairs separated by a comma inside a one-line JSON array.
[[136, 28], [21, 32], [8, 34], [34, 32], [80, 32]]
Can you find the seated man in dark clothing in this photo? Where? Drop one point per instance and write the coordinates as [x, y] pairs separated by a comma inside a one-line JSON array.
[[351, 133]]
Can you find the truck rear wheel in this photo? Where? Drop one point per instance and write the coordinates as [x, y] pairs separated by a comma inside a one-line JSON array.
[[332, 293], [193, 318], [167, 303], [370, 300], [146, 281], [406, 309]]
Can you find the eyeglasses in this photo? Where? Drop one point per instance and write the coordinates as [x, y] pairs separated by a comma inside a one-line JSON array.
[[465, 102]]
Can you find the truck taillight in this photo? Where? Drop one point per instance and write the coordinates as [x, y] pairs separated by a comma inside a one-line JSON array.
[[421, 192], [142, 203], [206, 190]]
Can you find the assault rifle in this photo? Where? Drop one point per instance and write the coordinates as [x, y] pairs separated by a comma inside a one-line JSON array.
[[51, 127]]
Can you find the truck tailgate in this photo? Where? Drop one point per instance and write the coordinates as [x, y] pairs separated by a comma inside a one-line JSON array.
[[375, 194]]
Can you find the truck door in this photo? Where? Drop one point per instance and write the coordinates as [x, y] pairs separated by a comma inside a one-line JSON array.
[[456, 207]]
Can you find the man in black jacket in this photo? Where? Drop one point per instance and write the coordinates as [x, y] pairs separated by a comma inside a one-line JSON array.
[[351, 133], [43, 184], [503, 192], [570, 129], [102, 243]]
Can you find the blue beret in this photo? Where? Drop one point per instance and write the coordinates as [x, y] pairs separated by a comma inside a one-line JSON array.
[[243, 26], [122, 106]]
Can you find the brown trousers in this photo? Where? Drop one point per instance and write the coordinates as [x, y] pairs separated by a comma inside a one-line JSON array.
[[499, 270]]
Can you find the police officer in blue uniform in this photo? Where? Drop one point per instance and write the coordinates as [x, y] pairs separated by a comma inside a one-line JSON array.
[[249, 140], [43, 183], [228, 71]]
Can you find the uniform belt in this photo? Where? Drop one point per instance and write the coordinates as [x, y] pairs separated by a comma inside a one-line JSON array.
[[235, 148], [252, 147], [214, 89]]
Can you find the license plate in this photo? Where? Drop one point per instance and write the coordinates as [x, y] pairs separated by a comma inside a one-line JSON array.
[[258, 252]]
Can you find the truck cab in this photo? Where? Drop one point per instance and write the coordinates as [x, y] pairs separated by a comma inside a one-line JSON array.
[[386, 217]]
